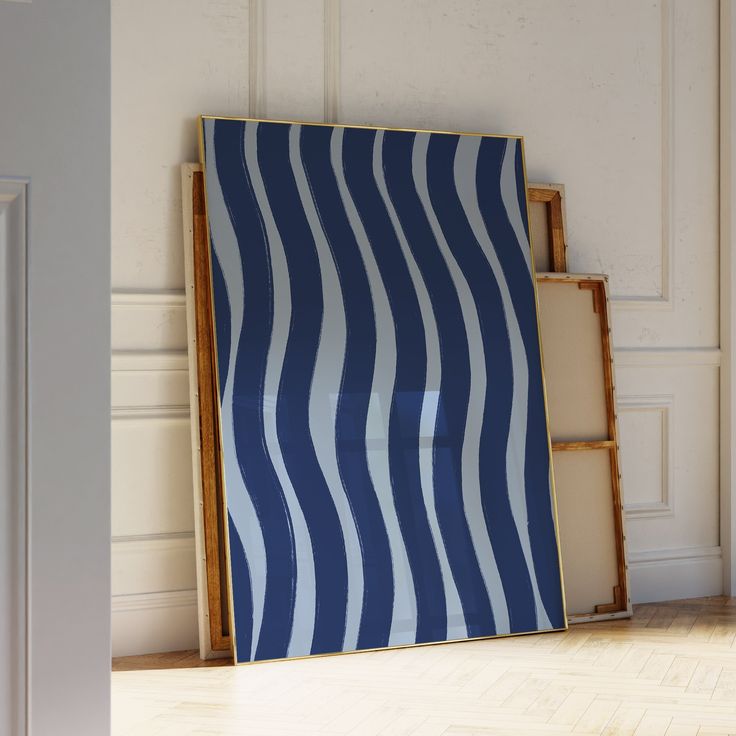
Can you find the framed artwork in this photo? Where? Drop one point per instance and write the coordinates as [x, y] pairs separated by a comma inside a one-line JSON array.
[[383, 427]]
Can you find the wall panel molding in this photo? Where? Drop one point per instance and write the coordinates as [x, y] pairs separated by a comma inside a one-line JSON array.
[[151, 326], [171, 537], [668, 413], [158, 563], [153, 574], [131, 361], [148, 601], [332, 61], [661, 556], [663, 300], [152, 474], [625, 357], [147, 297], [149, 385], [662, 406], [148, 320], [256, 58], [161, 411]]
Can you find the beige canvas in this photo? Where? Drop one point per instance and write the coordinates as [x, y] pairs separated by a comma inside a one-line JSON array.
[[539, 226], [586, 526], [573, 362]]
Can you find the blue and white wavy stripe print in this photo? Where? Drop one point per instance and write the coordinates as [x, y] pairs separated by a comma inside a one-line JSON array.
[[383, 425]]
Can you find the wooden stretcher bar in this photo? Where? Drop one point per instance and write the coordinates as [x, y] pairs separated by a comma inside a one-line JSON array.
[[547, 223]]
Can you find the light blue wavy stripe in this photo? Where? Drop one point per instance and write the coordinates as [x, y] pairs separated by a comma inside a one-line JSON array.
[[510, 200]]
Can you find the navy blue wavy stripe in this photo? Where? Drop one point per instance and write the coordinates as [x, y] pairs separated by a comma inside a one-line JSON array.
[[406, 403], [497, 409], [536, 470], [248, 380], [521, 188], [292, 409], [449, 430], [222, 323], [243, 610], [355, 389]]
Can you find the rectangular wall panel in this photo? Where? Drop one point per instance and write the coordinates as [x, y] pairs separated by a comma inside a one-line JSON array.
[[690, 396], [152, 563], [639, 160], [171, 61], [152, 475], [646, 433], [651, 70], [153, 556]]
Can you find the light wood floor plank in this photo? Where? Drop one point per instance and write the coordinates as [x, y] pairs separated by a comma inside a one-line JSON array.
[[669, 671]]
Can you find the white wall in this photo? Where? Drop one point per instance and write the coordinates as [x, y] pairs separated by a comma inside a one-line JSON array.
[[619, 101], [55, 438], [172, 59]]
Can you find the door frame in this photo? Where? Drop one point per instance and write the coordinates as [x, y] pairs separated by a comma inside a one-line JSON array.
[[727, 161]]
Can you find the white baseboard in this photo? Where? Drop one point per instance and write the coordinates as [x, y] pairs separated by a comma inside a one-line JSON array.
[[154, 622], [671, 574]]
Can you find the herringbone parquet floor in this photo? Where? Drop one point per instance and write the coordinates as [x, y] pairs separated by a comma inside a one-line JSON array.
[[671, 670]]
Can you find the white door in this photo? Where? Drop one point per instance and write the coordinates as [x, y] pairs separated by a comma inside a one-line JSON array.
[[54, 367]]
